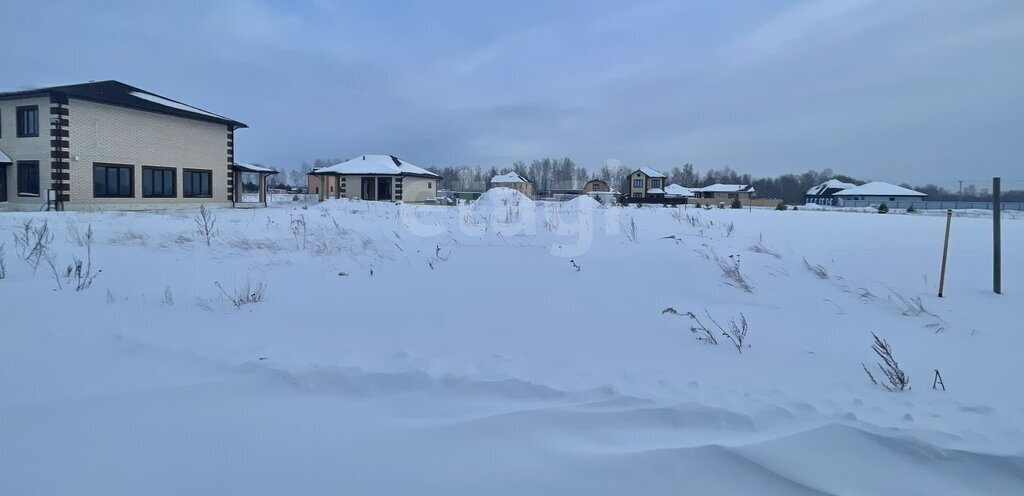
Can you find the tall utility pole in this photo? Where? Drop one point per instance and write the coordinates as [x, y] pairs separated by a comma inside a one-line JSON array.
[[996, 241]]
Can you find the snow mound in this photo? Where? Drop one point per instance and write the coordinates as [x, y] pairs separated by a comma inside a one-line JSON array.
[[582, 202], [502, 197]]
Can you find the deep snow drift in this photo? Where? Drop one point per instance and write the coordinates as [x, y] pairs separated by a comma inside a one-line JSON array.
[[443, 350]]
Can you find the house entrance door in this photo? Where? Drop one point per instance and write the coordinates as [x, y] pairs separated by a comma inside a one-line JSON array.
[[369, 189], [384, 188]]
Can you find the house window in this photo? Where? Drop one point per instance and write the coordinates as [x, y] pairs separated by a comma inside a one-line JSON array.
[[28, 178], [638, 183], [196, 183], [28, 121], [892, 198], [158, 182], [430, 185], [113, 181], [655, 183], [595, 187]]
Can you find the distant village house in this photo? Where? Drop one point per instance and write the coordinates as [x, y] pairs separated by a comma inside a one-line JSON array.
[[646, 182], [374, 178], [514, 181]]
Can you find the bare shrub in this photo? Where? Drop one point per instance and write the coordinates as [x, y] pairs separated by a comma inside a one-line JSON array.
[[736, 332], [168, 239], [909, 306], [731, 270], [817, 270], [51, 261], [729, 228], [206, 224], [74, 235], [3, 263], [632, 231], [896, 379], [697, 328], [760, 247], [128, 237], [299, 231], [249, 292], [253, 244], [33, 242], [79, 272]]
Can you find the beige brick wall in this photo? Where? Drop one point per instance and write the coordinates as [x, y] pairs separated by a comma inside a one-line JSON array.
[[36, 148], [416, 190], [111, 134], [524, 188]]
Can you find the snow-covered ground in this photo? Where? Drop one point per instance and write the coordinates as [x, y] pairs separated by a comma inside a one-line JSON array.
[[442, 350]]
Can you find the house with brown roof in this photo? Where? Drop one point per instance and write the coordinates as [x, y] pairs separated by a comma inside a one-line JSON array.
[[109, 145]]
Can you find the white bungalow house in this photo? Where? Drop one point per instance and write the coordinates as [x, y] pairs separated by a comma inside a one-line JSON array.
[[374, 177], [824, 193], [677, 191], [878, 192], [724, 192]]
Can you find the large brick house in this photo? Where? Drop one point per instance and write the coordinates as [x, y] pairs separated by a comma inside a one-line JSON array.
[[108, 145]]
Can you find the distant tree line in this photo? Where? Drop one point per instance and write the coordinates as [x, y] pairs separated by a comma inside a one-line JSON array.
[[552, 174]]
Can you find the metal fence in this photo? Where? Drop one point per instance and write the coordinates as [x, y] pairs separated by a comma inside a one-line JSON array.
[[935, 205]]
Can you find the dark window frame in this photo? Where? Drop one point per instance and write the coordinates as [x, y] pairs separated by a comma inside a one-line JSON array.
[[185, 184], [174, 181], [105, 166], [20, 131], [21, 182], [638, 183]]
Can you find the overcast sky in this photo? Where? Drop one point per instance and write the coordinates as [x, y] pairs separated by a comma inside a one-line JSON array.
[[911, 90]]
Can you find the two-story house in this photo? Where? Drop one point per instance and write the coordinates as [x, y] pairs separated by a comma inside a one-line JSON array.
[[514, 181], [646, 182], [108, 145]]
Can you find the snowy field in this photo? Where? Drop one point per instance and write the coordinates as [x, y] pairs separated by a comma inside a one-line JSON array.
[[441, 350]]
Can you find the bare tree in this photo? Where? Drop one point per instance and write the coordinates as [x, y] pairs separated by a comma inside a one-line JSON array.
[[206, 224]]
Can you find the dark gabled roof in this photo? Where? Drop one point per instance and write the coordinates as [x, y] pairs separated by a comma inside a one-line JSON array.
[[123, 95]]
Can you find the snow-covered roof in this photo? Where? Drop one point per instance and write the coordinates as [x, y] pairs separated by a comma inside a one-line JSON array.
[[649, 172], [384, 165], [253, 168], [123, 95], [830, 184], [511, 177], [677, 190], [167, 102], [878, 188], [725, 188], [4, 159], [656, 191]]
